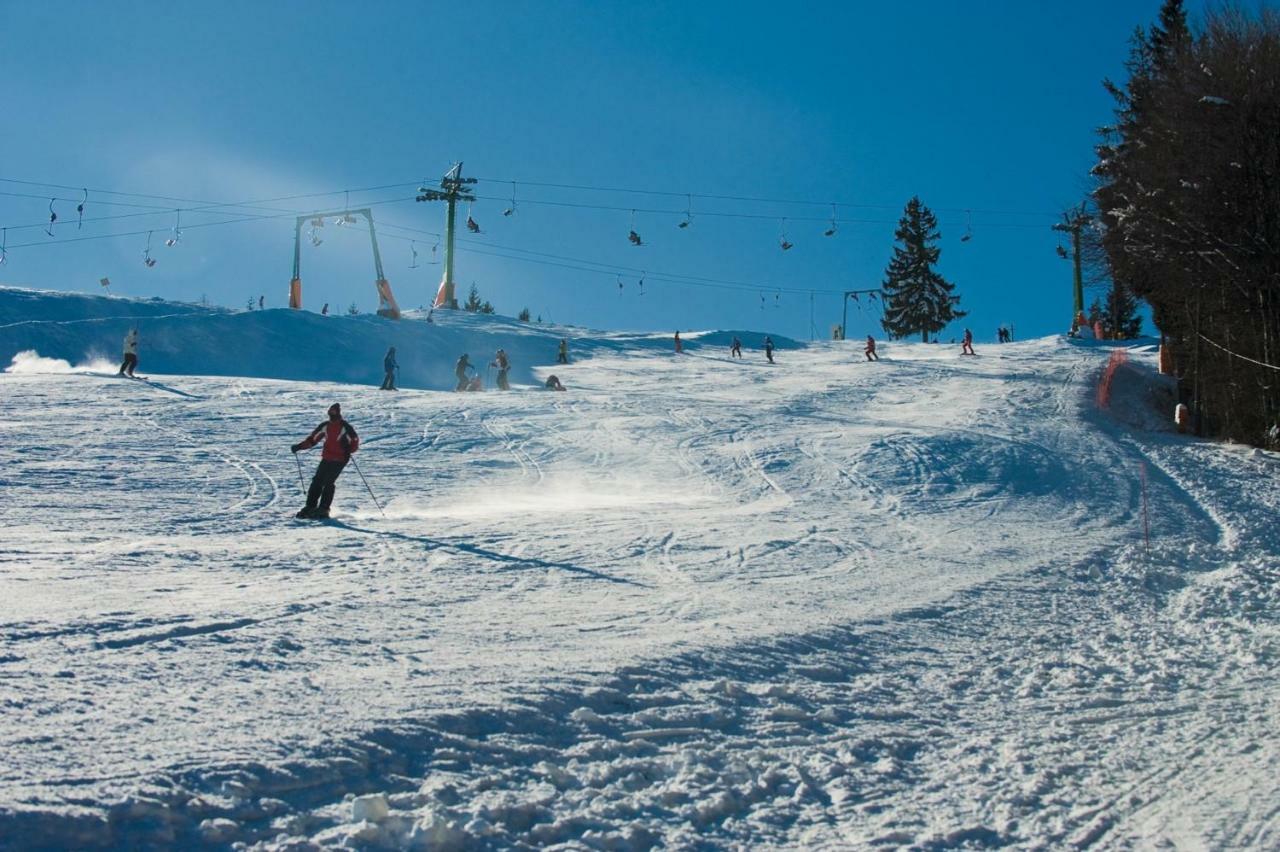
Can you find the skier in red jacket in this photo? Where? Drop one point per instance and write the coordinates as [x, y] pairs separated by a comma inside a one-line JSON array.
[[870, 351], [340, 441]]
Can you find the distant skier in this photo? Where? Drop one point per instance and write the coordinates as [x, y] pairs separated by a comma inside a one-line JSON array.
[[966, 346], [870, 351], [500, 361], [768, 349], [324, 312], [390, 366], [735, 348], [461, 372], [553, 383], [679, 345], [562, 357], [130, 354], [340, 441], [262, 301]]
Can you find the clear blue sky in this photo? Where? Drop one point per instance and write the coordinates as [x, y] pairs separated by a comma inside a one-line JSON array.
[[988, 107]]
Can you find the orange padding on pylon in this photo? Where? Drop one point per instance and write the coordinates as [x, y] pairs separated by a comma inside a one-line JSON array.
[[389, 307], [295, 293], [1118, 359]]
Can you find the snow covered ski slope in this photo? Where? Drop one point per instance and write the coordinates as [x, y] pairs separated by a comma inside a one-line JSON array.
[[690, 602]]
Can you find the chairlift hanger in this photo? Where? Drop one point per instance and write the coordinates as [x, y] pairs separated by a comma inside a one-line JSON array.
[[315, 238], [413, 247], [147, 260], [968, 227], [831, 232], [4, 241], [512, 209], [782, 237], [688, 214], [619, 285], [80, 209], [177, 231], [633, 237], [53, 217], [472, 225], [642, 283], [434, 259]]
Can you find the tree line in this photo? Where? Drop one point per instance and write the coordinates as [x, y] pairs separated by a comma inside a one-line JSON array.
[[1187, 206]]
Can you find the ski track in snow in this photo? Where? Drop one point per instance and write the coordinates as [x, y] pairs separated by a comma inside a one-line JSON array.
[[690, 603]]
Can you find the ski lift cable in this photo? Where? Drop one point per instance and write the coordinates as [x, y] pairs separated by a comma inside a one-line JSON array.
[[237, 219], [1237, 354], [669, 278], [760, 200], [202, 204], [729, 215]]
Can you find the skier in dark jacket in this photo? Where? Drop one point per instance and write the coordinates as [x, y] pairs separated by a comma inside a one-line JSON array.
[[768, 349], [340, 441], [460, 371], [966, 346], [390, 366], [735, 348], [500, 361], [870, 351]]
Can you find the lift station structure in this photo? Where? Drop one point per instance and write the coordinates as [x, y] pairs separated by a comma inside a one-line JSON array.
[[387, 306]]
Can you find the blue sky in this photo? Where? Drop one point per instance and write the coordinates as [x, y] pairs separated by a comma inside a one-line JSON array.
[[988, 108]]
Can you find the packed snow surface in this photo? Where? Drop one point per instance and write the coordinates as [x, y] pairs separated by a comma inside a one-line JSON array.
[[693, 601]]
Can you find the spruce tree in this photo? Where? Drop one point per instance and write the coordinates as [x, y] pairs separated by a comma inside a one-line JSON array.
[[473, 302], [916, 298]]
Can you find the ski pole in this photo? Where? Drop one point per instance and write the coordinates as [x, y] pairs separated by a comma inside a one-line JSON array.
[[366, 485], [301, 482]]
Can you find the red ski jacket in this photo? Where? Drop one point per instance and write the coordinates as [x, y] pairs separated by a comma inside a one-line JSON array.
[[340, 440]]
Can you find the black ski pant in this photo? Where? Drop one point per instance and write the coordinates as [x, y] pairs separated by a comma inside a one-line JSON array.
[[389, 383], [320, 495], [129, 365], [503, 384]]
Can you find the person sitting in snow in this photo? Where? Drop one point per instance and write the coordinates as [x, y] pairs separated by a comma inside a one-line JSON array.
[[340, 441], [553, 383]]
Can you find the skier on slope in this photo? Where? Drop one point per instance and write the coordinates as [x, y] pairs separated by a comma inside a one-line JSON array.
[[735, 348], [768, 348], [966, 347], [390, 366], [500, 361], [870, 351], [563, 356], [679, 345], [340, 441], [130, 354], [461, 372]]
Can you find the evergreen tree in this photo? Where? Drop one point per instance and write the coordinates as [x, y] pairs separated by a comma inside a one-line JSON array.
[[473, 302], [353, 310], [486, 308], [1120, 313], [916, 298], [524, 315]]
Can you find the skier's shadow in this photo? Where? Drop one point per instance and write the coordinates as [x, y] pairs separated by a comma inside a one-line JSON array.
[[513, 561]]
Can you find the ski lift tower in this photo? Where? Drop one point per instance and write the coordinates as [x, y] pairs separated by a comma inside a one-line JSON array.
[[1072, 223], [387, 306], [844, 317], [453, 188]]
